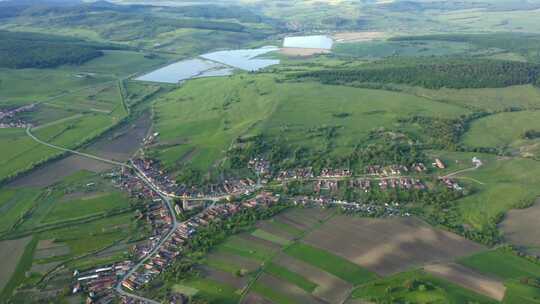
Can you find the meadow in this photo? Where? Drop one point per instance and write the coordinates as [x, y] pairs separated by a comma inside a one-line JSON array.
[[505, 265], [504, 130], [416, 287], [199, 121]]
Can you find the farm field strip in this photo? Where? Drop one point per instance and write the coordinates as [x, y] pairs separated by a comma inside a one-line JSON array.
[[387, 246], [469, 279]]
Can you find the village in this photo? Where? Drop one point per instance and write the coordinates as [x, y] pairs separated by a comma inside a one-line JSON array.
[[169, 240], [9, 119]]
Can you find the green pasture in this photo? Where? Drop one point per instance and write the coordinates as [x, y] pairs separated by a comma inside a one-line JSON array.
[[123, 63], [511, 268], [14, 204], [498, 186], [87, 205], [488, 99], [205, 116], [502, 130], [20, 152], [503, 264], [330, 263], [416, 287], [380, 49], [212, 291], [291, 277], [517, 293], [242, 247], [94, 235], [269, 293], [28, 86], [100, 99], [262, 234]]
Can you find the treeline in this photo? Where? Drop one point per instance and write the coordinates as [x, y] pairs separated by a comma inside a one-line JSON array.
[[219, 12], [524, 44], [31, 50], [433, 73]]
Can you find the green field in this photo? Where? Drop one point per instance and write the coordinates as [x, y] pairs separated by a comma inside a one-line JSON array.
[[489, 99], [503, 264], [212, 291], [198, 122], [511, 268], [269, 293], [501, 184], [380, 49], [269, 237], [330, 263], [14, 204], [87, 205], [291, 277], [416, 287], [241, 247], [502, 130]]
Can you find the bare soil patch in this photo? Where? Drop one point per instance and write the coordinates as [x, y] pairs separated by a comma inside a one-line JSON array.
[[254, 298], [43, 268], [358, 36], [302, 52], [224, 277], [388, 246], [293, 292], [268, 227], [308, 216], [521, 227], [121, 144], [284, 218], [10, 254], [271, 246], [55, 171], [330, 287], [51, 251], [469, 279]]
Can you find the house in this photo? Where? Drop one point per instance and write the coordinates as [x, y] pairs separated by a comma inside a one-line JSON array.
[[439, 164]]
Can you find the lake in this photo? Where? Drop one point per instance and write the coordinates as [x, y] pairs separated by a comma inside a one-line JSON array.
[[221, 63], [309, 42], [244, 59], [186, 69]]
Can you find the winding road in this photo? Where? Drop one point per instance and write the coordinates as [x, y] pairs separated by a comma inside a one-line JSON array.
[[112, 162], [135, 267]]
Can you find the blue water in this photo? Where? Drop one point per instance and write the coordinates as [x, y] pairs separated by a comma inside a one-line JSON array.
[[186, 69], [309, 42], [243, 59]]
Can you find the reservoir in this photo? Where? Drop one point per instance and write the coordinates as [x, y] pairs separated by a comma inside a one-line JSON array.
[[244, 59], [309, 42], [185, 69]]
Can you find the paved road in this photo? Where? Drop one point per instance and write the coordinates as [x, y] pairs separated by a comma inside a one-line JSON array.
[[112, 162], [167, 201]]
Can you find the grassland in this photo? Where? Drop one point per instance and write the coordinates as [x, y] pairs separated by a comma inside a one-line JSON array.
[[488, 99], [506, 265], [331, 263], [502, 263], [14, 204], [505, 183], [416, 287], [198, 122], [502, 130], [87, 205], [381, 49], [291, 277]]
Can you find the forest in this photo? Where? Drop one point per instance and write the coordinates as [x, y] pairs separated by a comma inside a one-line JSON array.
[[524, 44], [31, 50], [433, 73]]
